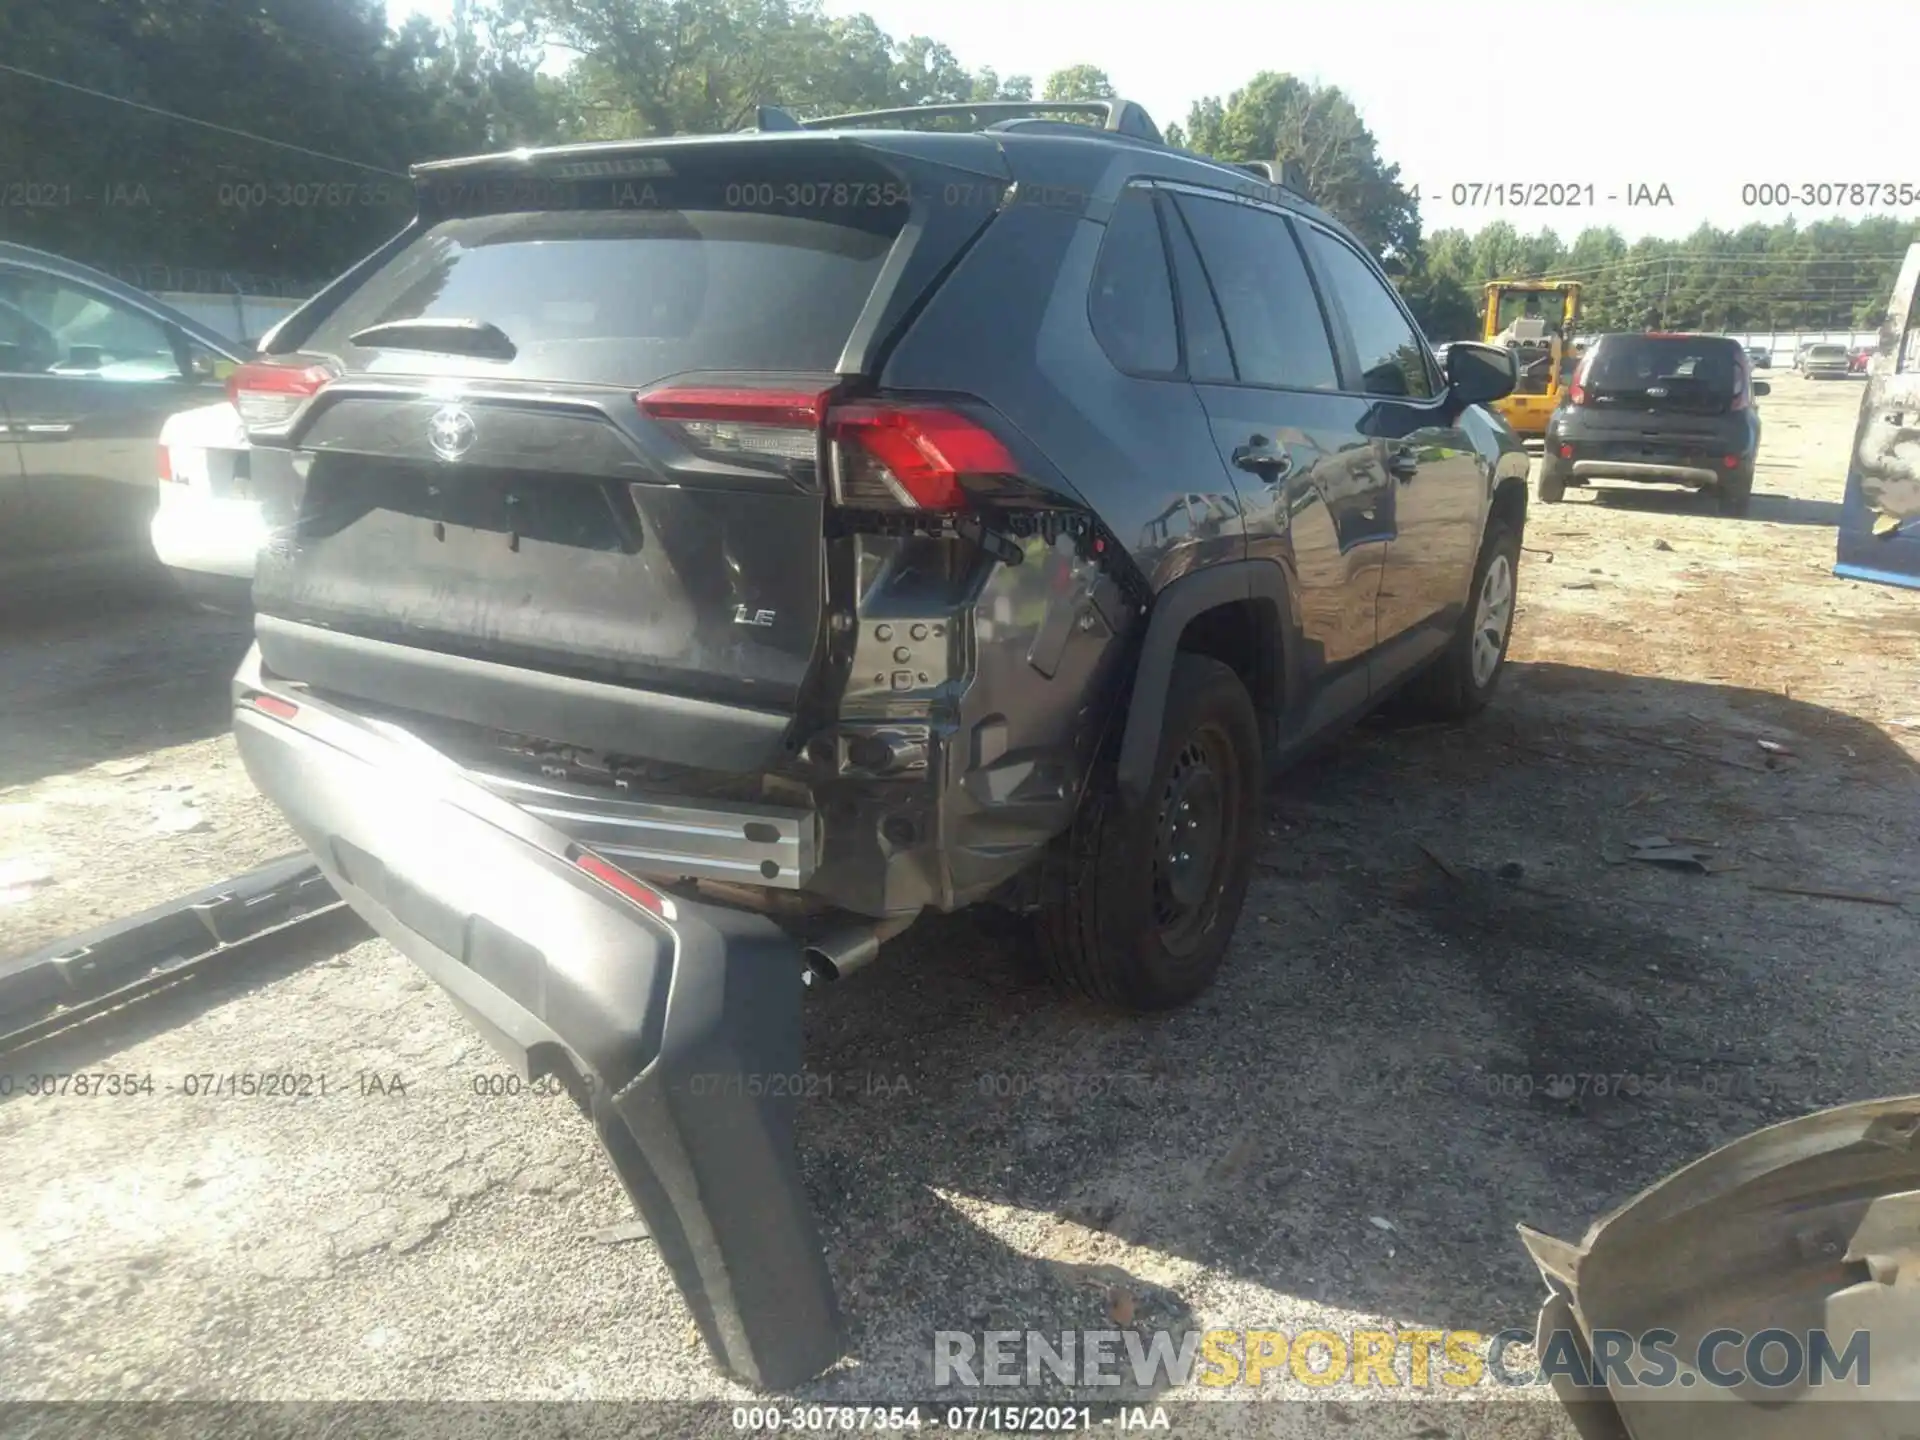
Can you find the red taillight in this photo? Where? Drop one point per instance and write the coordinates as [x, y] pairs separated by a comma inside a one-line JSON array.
[[166, 466], [1732, 462], [883, 455], [1578, 394], [273, 705], [614, 878], [1566, 452], [268, 393], [911, 456]]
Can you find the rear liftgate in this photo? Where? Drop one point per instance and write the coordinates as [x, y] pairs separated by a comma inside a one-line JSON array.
[[671, 1022]]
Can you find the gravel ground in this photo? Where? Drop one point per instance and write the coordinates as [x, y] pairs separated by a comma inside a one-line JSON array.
[[1342, 1134]]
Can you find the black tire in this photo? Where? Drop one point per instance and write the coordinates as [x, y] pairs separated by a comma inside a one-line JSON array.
[[1552, 488], [1123, 919], [1454, 686], [1735, 494]]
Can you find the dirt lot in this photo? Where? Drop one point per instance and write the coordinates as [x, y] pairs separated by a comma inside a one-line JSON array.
[[1443, 947]]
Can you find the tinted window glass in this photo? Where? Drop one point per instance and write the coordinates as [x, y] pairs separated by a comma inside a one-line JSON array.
[[1132, 305], [1208, 357], [1910, 346], [1273, 319], [1633, 362], [1392, 361], [624, 297], [55, 327]]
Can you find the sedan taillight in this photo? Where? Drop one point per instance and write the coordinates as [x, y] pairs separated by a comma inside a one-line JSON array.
[[269, 393]]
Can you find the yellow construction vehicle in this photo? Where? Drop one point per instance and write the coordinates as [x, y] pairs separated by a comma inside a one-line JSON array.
[[1534, 319]]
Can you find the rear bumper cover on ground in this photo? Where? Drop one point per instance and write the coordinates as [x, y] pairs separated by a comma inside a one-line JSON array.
[[678, 1029]]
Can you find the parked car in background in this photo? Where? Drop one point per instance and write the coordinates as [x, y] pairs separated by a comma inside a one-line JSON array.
[[90, 369], [209, 525], [1660, 409], [1822, 361], [1761, 357], [687, 597]]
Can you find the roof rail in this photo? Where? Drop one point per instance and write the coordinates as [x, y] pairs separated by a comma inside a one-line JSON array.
[[774, 117], [1287, 174], [1123, 117]]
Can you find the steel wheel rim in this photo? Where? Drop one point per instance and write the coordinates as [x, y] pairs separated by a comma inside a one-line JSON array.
[[1492, 614], [1193, 839]]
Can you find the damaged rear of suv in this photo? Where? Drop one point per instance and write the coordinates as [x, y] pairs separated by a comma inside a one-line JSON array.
[[698, 557]]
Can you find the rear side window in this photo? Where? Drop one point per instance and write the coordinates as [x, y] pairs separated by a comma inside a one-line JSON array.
[[1209, 357], [1132, 302], [736, 280], [1272, 315], [1392, 360]]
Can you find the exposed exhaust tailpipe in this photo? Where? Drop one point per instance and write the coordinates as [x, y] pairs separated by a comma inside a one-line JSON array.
[[839, 953]]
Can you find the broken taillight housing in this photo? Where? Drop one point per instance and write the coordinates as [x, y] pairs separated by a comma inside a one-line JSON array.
[[742, 423], [910, 457], [269, 393], [880, 454]]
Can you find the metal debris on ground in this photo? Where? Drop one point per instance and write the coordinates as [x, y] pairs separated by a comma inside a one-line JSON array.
[[1821, 894], [1679, 852], [621, 1234], [1662, 545], [1445, 866]]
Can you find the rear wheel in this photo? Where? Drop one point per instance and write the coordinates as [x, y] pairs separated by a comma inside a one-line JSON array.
[[1462, 678], [1553, 484], [1735, 494], [1139, 904]]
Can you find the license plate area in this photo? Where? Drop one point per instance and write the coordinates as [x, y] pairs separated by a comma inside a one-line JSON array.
[[577, 512]]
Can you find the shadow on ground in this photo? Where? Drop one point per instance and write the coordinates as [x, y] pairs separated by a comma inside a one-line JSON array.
[[1773, 509], [67, 671], [1401, 1032]]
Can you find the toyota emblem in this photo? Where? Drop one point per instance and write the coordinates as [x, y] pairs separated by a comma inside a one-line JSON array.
[[450, 432]]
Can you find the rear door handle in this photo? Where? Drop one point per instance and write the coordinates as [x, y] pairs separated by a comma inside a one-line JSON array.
[[50, 427], [1403, 465], [1265, 459]]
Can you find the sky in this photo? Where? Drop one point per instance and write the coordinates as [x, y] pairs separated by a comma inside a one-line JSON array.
[[1595, 97]]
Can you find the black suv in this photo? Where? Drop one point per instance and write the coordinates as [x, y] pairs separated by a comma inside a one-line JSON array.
[[1661, 409], [701, 556]]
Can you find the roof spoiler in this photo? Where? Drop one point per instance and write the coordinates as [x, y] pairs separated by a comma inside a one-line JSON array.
[[1122, 117]]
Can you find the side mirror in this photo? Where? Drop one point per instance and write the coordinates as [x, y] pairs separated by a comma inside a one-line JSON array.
[[1761, 387], [1478, 374]]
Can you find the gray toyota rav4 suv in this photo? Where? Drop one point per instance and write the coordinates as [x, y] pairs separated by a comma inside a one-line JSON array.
[[698, 557]]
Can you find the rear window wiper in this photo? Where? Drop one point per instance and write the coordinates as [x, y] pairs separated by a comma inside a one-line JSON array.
[[451, 337]]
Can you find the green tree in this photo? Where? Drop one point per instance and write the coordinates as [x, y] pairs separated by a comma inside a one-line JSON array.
[[1078, 82], [1279, 117]]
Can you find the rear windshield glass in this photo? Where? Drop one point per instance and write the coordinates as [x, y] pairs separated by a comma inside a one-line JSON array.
[[623, 297], [1635, 362], [1827, 352]]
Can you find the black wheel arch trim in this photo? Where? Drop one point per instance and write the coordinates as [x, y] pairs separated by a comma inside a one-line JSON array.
[[1233, 582]]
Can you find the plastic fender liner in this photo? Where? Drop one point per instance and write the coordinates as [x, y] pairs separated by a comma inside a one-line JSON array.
[[1803, 1230], [1233, 582], [677, 1030]]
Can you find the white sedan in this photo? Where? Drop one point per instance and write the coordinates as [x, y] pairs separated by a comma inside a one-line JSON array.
[[209, 525]]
